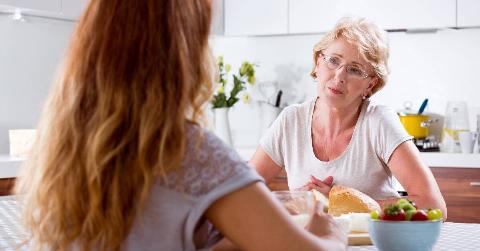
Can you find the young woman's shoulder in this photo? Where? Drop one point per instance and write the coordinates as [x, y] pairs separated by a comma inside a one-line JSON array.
[[208, 162]]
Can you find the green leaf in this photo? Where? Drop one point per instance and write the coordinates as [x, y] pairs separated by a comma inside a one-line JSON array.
[[231, 101], [219, 101]]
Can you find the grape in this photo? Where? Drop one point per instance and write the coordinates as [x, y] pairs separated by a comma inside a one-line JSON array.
[[403, 201], [409, 214], [374, 215], [434, 214]]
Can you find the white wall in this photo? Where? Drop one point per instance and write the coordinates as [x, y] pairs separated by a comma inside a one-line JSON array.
[[440, 65], [30, 52]]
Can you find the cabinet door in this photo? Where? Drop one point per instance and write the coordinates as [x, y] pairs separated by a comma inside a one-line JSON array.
[[6, 186], [468, 13], [308, 16], [36, 5], [460, 188], [254, 17], [73, 8]]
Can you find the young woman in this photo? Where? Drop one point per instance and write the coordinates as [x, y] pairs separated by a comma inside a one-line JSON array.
[[122, 162]]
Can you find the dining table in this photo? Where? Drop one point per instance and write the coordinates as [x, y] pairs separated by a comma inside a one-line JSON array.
[[453, 236]]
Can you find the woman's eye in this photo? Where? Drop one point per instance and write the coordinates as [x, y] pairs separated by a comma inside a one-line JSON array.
[[334, 60], [355, 71]]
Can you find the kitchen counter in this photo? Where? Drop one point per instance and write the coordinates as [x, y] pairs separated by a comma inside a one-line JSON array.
[[433, 159], [9, 166]]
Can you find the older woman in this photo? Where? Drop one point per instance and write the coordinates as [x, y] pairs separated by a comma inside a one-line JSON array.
[[339, 136]]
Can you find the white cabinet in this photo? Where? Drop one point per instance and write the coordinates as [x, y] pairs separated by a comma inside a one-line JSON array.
[[73, 8], [35, 5], [310, 16], [468, 13], [63, 9], [250, 17]]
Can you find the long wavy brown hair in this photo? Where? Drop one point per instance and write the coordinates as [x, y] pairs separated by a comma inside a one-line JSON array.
[[135, 74]]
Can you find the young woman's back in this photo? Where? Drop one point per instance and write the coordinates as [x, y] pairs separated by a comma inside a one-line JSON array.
[[173, 217]]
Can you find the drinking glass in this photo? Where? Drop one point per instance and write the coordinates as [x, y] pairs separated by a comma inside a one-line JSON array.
[[456, 120], [300, 204]]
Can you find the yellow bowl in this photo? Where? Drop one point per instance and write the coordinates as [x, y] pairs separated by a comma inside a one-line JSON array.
[[413, 125]]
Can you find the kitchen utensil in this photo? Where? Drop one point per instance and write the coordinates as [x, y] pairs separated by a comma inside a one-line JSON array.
[[456, 120], [279, 98], [413, 124], [423, 106]]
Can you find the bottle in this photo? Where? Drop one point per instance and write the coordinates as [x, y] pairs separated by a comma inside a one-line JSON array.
[[456, 120], [476, 142]]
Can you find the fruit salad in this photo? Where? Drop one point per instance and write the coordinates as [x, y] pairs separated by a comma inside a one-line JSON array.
[[405, 210]]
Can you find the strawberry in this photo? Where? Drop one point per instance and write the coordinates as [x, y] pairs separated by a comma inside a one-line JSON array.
[[420, 215], [393, 213]]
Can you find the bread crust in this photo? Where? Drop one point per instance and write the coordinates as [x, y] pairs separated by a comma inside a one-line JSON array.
[[344, 200]]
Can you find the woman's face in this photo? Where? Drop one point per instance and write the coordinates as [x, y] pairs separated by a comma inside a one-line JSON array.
[[343, 76]]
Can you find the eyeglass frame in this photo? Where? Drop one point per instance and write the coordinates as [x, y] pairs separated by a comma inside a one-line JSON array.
[[324, 58]]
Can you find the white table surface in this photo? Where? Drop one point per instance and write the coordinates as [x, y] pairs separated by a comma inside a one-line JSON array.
[[453, 236]]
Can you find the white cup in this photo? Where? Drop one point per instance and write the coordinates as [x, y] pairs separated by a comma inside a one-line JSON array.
[[467, 141]]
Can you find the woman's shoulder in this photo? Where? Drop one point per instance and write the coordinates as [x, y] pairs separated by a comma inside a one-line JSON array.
[[297, 110], [378, 112]]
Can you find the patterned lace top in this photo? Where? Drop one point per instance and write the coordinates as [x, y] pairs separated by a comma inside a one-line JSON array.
[[173, 215]]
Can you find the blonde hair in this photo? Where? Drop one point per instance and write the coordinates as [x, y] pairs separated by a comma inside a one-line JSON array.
[[135, 74], [372, 44]]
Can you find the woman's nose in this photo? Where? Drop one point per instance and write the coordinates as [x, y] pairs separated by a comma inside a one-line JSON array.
[[341, 72]]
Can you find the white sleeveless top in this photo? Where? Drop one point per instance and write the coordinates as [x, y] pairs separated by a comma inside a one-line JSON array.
[[362, 165]]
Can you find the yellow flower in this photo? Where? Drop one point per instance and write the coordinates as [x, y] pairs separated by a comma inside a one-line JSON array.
[[251, 80], [220, 89], [220, 59], [228, 67], [245, 98]]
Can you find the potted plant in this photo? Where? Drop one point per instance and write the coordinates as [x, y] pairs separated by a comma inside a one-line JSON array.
[[227, 94]]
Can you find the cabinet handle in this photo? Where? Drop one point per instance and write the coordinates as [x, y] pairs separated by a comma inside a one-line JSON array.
[[475, 184]]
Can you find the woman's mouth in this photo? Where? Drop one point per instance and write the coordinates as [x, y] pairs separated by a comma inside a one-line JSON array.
[[335, 91]]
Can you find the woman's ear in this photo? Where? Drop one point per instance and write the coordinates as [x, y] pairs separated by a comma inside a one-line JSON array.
[[371, 84]]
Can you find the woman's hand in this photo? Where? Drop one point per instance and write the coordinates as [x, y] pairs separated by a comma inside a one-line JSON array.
[[324, 226], [322, 186]]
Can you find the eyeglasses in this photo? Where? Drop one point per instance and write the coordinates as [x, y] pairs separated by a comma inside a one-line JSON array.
[[334, 63]]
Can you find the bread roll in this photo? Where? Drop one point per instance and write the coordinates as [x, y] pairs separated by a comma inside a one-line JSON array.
[[344, 200]]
